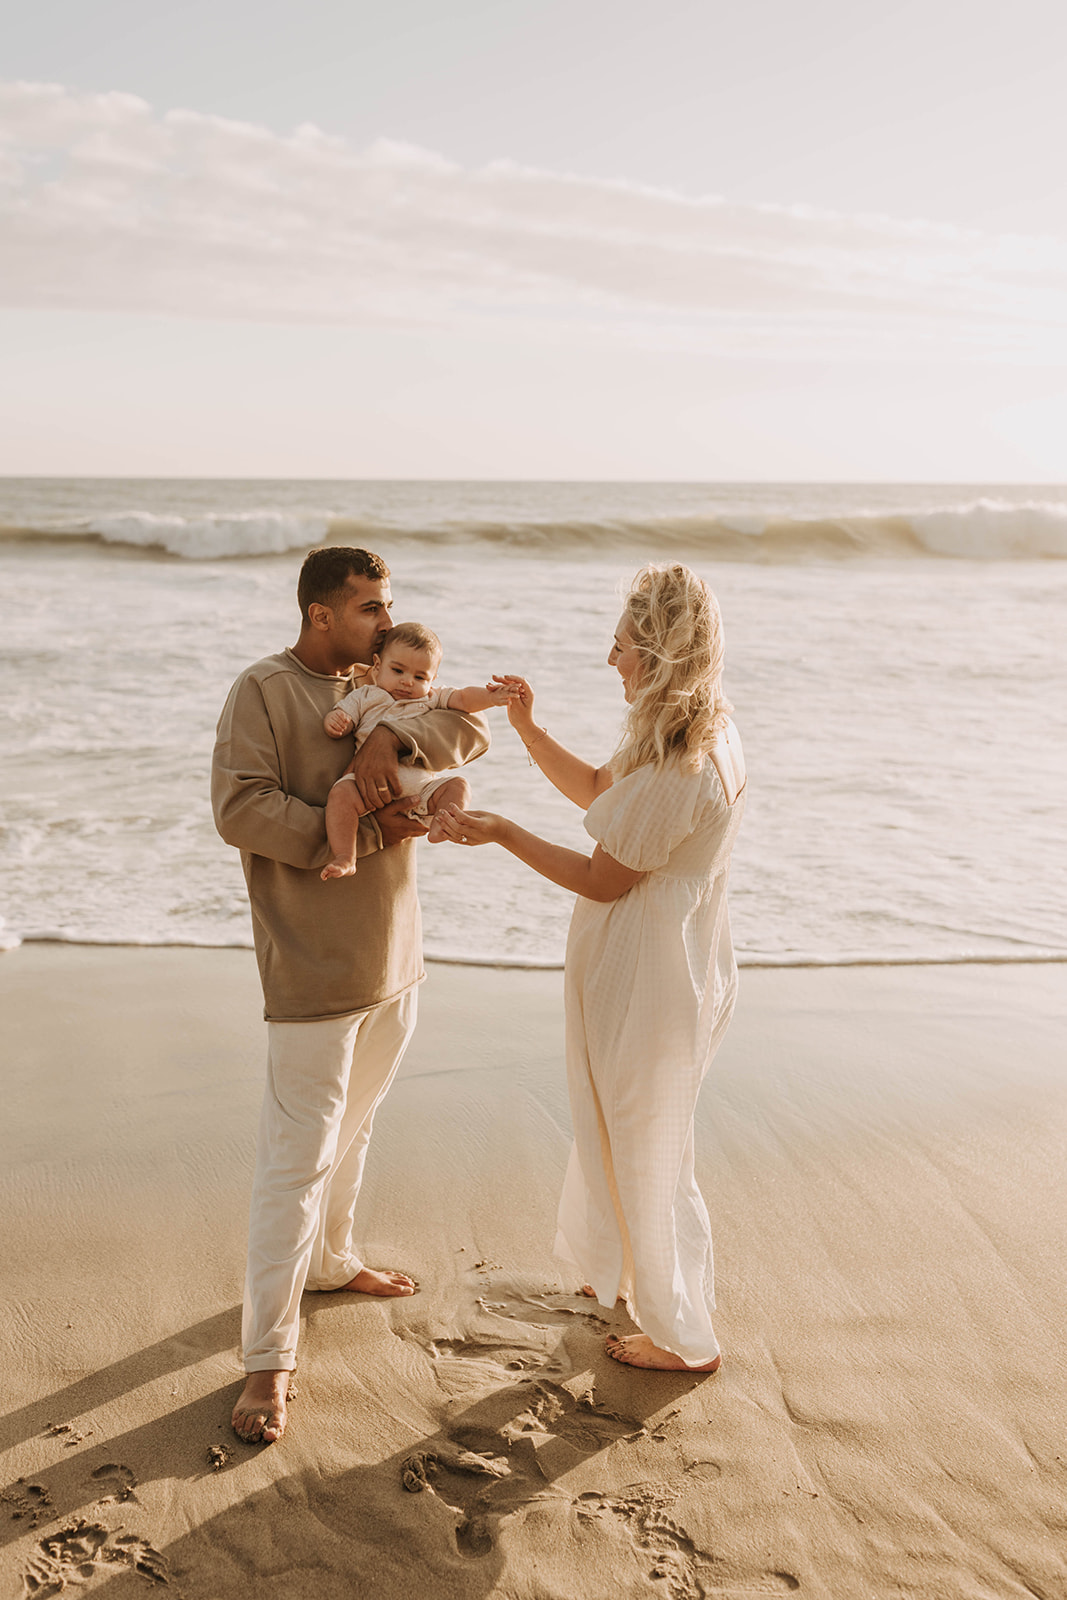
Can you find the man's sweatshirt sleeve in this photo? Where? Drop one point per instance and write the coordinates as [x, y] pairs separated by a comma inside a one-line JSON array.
[[252, 812], [442, 739]]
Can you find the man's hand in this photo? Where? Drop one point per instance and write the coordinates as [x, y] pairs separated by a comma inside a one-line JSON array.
[[374, 768], [395, 823]]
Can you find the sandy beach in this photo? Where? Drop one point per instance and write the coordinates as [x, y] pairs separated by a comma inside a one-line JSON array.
[[882, 1151]]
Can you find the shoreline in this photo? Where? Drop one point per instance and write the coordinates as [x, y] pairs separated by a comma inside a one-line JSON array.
[[746, 962], [881, 1150]]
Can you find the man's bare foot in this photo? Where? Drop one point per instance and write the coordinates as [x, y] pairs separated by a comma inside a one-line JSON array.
[[637, 1350], [368, 1281], [259, 1415], [337, 869]]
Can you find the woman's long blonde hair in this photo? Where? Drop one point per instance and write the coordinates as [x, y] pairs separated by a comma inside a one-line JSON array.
[[678, 707]]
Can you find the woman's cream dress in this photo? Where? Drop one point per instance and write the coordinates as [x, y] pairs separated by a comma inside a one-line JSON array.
[[650, 985]]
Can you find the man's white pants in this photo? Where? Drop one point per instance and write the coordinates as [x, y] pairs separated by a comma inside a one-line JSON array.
[[324, 1083]]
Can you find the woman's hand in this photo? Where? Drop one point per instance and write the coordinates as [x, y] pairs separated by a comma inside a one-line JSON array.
[[520, 703], [471, 827]]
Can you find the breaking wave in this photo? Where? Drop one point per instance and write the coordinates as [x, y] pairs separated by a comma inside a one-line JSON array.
[[982, 529]]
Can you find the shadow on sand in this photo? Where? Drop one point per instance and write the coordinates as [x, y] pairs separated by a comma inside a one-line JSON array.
[[524, 1416]]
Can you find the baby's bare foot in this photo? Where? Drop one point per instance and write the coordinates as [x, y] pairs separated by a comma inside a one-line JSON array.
[[368, 1281], [637, 1350], [337, 869], [260, 1412]]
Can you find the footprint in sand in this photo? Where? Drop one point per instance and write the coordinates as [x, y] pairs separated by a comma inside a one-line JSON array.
[[555, 1412], [84, 1550], [456, 1476], [485, 1474], [423, 1466], [512, 1357], [668, 1550], [30, 1500], [562, 1310], [663, 1545], [515, 1353], [66, 1431], [118, 1482]]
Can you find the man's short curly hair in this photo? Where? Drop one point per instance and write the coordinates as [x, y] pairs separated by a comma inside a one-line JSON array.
[[325, 572]]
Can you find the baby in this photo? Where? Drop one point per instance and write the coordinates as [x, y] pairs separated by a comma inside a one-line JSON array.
[[400, 685]]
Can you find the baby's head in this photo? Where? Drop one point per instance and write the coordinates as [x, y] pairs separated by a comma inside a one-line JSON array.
[[407, 663]]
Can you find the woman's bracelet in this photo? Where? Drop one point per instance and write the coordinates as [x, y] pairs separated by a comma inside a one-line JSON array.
[[529, 747]]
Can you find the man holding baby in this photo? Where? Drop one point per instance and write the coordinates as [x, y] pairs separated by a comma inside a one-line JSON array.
[[340, 960]]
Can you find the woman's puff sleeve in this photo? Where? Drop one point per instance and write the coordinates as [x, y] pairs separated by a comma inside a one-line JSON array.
[[644, 816]]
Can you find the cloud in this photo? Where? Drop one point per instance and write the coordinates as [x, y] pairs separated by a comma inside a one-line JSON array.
[[105, 204]]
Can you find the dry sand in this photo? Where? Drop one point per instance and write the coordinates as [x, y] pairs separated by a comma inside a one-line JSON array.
[[882, 1151]]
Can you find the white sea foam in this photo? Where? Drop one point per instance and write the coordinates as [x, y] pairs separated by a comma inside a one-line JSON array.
[[214, 535], [995, 530]]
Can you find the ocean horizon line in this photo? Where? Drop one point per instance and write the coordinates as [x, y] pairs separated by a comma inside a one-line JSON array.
[[546, 482]]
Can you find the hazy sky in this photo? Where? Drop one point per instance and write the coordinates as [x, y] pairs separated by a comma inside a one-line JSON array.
[[521, 239]]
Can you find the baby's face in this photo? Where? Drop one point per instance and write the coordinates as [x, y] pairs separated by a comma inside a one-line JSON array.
[[406, 673]]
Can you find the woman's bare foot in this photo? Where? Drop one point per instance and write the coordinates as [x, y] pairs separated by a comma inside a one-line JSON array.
[[337, 869], [637, 1350], [590, 1293], [259, 1415], [368, 1281]]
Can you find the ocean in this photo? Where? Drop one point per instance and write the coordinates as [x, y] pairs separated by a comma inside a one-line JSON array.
[[895, 656]]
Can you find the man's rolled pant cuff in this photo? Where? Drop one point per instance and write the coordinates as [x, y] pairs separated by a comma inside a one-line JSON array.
[[339, 1280], [284, 1362]]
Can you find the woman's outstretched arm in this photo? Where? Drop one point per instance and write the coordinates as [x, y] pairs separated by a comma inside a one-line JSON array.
[[596, 877], [579, 780]]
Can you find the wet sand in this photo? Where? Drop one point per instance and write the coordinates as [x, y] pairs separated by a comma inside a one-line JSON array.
[[882, 1151]]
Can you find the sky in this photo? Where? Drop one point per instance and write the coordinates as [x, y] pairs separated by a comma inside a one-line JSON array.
[[523, 239]]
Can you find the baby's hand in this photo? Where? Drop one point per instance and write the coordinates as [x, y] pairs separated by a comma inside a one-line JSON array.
[[502, 691], [509, 686], [337, 723]]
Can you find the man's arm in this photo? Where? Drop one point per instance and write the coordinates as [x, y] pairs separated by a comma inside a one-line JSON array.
[[252, 812], [442, 739], [445, 739]]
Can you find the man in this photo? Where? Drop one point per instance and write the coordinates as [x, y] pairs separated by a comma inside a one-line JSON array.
[[339, 961]]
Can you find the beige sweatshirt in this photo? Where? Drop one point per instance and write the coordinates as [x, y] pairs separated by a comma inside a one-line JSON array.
[[324, 949]]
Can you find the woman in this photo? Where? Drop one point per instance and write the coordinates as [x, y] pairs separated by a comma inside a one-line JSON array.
[[650, 971]]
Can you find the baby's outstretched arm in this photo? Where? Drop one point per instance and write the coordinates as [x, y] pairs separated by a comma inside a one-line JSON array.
[[482, 697], [337, 723]]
